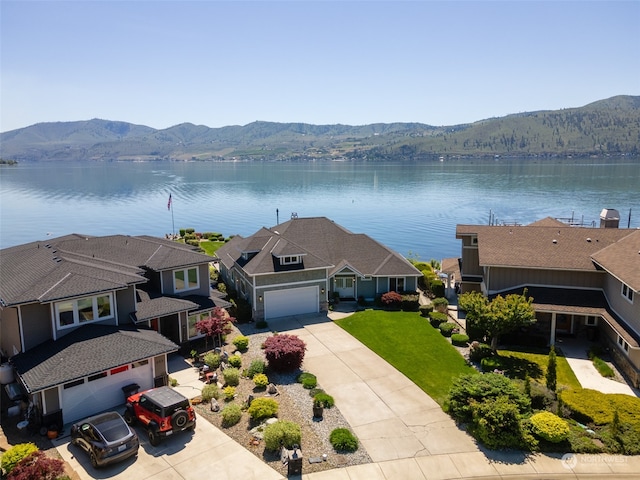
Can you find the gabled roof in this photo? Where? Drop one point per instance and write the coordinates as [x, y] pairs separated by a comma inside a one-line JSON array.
[[322, 243], [534, 246], [77, 265], [86, 351], [154, 305], [622, 260]]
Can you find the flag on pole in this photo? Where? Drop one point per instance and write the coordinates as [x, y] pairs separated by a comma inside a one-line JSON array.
[[169, 203]]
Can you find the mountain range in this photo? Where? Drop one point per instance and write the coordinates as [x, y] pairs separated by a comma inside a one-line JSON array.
[[605, 127]]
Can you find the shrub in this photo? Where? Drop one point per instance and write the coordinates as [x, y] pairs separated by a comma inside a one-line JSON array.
[[257, 366], [478, 351], [342, 440], [235, 361], [447, 328], [308, 380], [391, 300], [212, 360], [470, 389], [425, 310], [241, 342], [231, 415], [591, 406], [37, 466], [229, 393], [437, 318], [489, 364], [12, 457], [210, 391], [496, 423], [231, 376], [437, 288], [603, 367], [284, 353], [440, 304], [314, 391], [410, 303], [263, 407], [260, 380], [550, 427], [460, 339], [541, 397], [281, 433], [551, 375], [323, 399]]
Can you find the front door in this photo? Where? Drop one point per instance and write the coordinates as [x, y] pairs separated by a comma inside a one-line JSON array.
[[344, 286]]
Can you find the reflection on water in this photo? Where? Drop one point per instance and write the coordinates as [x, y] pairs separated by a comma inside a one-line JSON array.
[[412, 208]]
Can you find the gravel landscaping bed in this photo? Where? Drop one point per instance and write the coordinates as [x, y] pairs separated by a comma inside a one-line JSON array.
[[295, 404]]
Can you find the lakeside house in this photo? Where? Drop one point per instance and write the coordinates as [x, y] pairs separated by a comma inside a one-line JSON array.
[[297, 266], [584, 282]]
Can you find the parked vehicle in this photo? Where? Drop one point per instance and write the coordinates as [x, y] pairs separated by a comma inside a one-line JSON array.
[[162, 411], [106, 438]]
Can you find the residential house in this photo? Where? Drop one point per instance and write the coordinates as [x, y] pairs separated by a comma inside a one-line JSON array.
[[584, 281], [81, 317], [296, 267]]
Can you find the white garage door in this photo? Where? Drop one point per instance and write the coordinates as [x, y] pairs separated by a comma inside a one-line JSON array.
[[95, 396], [292, 301]]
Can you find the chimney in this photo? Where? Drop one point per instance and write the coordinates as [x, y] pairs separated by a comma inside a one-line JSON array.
[[609, 218]]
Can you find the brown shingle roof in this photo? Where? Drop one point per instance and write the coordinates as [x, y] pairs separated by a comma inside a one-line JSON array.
[[622, 260]]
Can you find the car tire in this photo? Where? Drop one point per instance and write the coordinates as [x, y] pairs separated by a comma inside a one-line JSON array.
[[154, 438], [94, 460], [179, 420], [129, 417]]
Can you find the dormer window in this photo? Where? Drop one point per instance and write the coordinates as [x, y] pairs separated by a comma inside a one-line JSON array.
[[290, 260]]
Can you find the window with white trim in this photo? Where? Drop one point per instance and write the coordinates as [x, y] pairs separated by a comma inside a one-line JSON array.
[[186, 279], [396, 284], [290, 260], [195, 318], [627, 292], [591, 321], [84, 310], [623, 344]]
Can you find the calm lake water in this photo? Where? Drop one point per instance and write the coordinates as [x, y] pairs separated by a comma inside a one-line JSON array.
[[412, 208]]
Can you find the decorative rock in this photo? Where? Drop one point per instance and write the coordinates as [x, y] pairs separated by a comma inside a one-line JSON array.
[[271, 389], [249, 400], [215, 407]]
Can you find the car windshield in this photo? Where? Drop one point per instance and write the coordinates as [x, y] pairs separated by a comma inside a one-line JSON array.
[[112, 428]]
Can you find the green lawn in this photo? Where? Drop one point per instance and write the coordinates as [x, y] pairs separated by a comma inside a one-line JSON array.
[[517, 364], [409, 342], [210, 247]]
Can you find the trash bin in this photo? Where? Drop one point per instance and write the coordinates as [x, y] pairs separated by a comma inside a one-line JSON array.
[[129, 390], [293, 458]]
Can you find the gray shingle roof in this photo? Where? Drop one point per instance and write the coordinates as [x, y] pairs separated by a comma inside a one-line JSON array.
[[622, 260], [154, 305], [86, 351], [323, 244]]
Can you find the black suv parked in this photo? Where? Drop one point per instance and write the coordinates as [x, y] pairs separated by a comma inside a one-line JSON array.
[[162, 411]]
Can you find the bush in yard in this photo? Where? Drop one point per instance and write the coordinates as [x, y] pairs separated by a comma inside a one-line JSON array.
[[541, 397], [460, 339], [235, 361], [410, 303], [550, 427], [257, 366], [37, 466], [12, 457], [212, 360], [324, 399], [229, 393], [603, 367], [496, 423], [425, 310], [437, 318], [591, 406], [210, 391], [241, 342], [437, 288], [391, 300], [231, 376], [314, 391], [471, 389], [263, 407], [440, 304], [342, 440], [231, 414], [308, 380], [478, 351], [282, 433], [284, 352], [447, 328], [489, 364], [260, 380], [552, 375]]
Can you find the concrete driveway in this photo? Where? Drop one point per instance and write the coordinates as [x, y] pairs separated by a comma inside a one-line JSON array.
[[205, 453]]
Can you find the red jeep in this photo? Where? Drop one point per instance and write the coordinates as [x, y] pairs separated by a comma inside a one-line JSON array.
[[162, 411]]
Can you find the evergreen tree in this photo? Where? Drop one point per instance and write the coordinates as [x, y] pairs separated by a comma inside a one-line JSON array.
[[551, 370]]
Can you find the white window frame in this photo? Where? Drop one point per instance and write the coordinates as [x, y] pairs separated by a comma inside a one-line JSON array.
[[397, 280], [627, 292], [197, 317], [474, 240], [76, 312], [290, 260], [623, 344], [185, 272]]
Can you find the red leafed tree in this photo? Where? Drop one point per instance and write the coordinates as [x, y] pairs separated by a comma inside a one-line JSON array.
[[218, 324], [284, 353], [37, 466]]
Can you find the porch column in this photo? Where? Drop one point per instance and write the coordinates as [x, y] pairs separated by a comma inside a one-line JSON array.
[[552, 340]]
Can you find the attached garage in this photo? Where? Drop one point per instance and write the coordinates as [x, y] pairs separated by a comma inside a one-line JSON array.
[[88, 396], [291, 301]]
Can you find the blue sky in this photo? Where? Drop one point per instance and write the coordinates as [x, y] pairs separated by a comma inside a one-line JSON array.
[[161, 63]]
